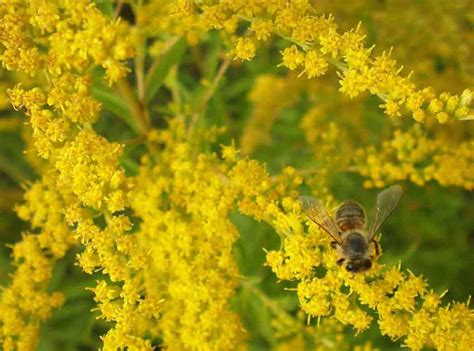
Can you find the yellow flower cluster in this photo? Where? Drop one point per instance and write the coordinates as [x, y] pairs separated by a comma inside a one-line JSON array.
[[183, 200], [26, 301], [163, 239], [393, 294], [269, 95], [61, 42], [404, 305], [414, 156], [88, 168], [318, 43], [298, 334], [160, 18], [439, 58], [325, 138], [116, 252], [67, 48], [75, 33]]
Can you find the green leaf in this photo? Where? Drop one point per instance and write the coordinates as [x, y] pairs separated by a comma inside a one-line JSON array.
[[160, 71], [73, 330], [256, 316], [106, 7], [130, 165], [211, 60], [113, 103]]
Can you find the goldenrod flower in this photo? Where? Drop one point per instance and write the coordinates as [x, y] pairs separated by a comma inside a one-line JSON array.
[[152, 208]]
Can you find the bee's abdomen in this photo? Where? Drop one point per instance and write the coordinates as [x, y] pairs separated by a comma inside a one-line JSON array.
[[350, 215]]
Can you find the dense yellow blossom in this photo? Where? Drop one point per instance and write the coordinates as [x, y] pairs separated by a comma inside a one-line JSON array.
[[93, 177], [415, 157], [184, 201], [151, 217], [26, 301], [439, 58], [396, 296], [76, 34], [67, 35], [318, 42]]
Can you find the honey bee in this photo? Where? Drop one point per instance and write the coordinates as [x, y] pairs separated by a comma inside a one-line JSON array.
[[352, 239]]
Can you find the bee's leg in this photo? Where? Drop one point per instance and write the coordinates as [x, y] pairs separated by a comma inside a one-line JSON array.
[[377, 247], [340, 261], [334, 244]]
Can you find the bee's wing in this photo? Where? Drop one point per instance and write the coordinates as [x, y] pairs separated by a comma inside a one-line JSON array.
[[387, 200], [316, 211]]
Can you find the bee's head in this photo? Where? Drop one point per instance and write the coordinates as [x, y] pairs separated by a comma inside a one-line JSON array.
[[356, 266]]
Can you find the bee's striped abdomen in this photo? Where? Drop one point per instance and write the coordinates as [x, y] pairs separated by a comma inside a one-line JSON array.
[[350, 215]]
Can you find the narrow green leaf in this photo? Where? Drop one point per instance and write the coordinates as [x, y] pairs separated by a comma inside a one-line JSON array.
[[113, 103], [130, 165], [156, 77], [211, 60], [256, 316], [74, 330]]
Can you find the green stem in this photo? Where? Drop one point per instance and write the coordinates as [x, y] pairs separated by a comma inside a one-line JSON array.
[[140, 69], [154, 66], [201, 107], [139, 111]]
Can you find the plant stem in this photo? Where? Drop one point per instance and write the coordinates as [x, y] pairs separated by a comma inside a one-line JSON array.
[[139, 71], [139, 110], [118, 8], [209, 93], [168, 45]]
